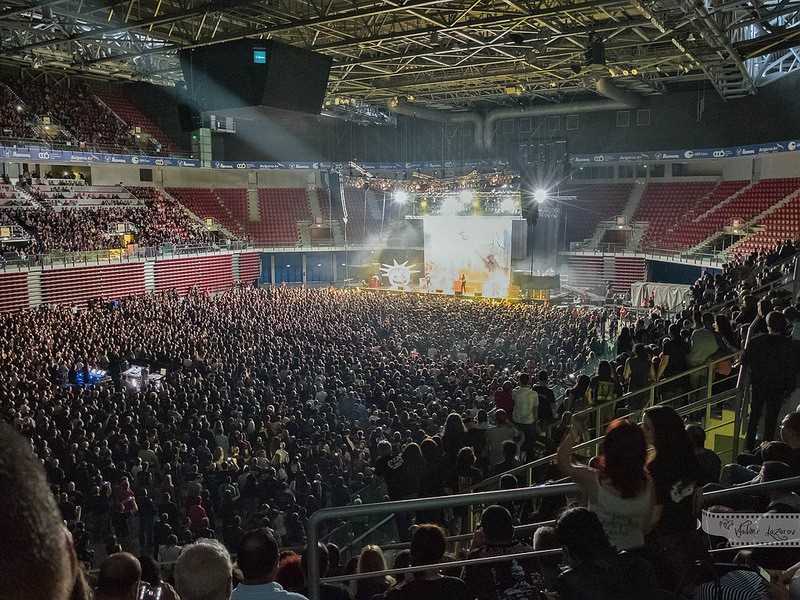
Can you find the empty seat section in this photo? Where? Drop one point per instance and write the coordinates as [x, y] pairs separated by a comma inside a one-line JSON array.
[[361, 224], [281, 209], [664, 204], [744, 204], [780, 225], [227, 206]]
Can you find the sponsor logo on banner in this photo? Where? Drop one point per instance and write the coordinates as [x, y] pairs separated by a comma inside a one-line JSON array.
[[792, 145], [667, 155], [581, 159], [241, 166], [44, 155], [119, 160], [718, 153], [160, 162], [135, 160], [599, 158], [688, 154]]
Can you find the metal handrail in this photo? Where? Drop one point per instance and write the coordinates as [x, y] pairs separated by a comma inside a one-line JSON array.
[[469, 562], [590, 444], [340, 512], [314, 578]]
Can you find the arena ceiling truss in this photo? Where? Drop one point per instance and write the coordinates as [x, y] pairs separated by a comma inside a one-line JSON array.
[[445, 54]]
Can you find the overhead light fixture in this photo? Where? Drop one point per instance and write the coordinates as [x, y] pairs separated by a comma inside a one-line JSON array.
[[576, 68], [540, 195], [625, 72], [657, 24], [678, 45], [553, 84], [634, 71]]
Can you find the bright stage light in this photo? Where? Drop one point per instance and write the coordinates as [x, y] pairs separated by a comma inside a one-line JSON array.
[[507, 205], [540, 195], [401, 196], [450, 206]]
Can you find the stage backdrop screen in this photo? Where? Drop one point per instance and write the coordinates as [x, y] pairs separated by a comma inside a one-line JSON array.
[[479, 247]]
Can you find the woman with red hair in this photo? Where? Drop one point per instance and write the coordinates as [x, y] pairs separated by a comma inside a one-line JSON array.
[[619, 489]]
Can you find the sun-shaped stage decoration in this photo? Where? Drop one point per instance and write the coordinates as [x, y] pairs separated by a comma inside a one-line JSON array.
[[399, 275]]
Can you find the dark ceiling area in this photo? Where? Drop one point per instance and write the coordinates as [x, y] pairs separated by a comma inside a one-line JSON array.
[[437, 54]]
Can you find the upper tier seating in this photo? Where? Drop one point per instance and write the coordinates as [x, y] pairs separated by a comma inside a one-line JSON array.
[[594, 203], [746, 205], [77, 110], [13, 122], [135, 118], [663, 204], [360, 223], [671, 239], [226, 206]]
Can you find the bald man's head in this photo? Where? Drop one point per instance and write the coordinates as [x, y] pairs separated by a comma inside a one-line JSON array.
[[40, 562], [119, 577]]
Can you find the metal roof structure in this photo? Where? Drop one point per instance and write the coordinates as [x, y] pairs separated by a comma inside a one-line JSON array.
[[440, 54]]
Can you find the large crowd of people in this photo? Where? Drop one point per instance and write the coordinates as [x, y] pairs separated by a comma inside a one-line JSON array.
[[152, 220], [76, 110], [272, 403]]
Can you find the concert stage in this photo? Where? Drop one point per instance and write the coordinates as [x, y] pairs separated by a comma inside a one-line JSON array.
[[515, 294]]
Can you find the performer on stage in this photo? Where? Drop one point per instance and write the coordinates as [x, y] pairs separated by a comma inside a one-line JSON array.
[[463, 281]]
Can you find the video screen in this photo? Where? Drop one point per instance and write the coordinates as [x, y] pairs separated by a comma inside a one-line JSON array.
[[477, 247]]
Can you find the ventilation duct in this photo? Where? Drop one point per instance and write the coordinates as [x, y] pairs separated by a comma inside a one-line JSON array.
[[494, 117], [427, 114], [606, 87], [483, 129]]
